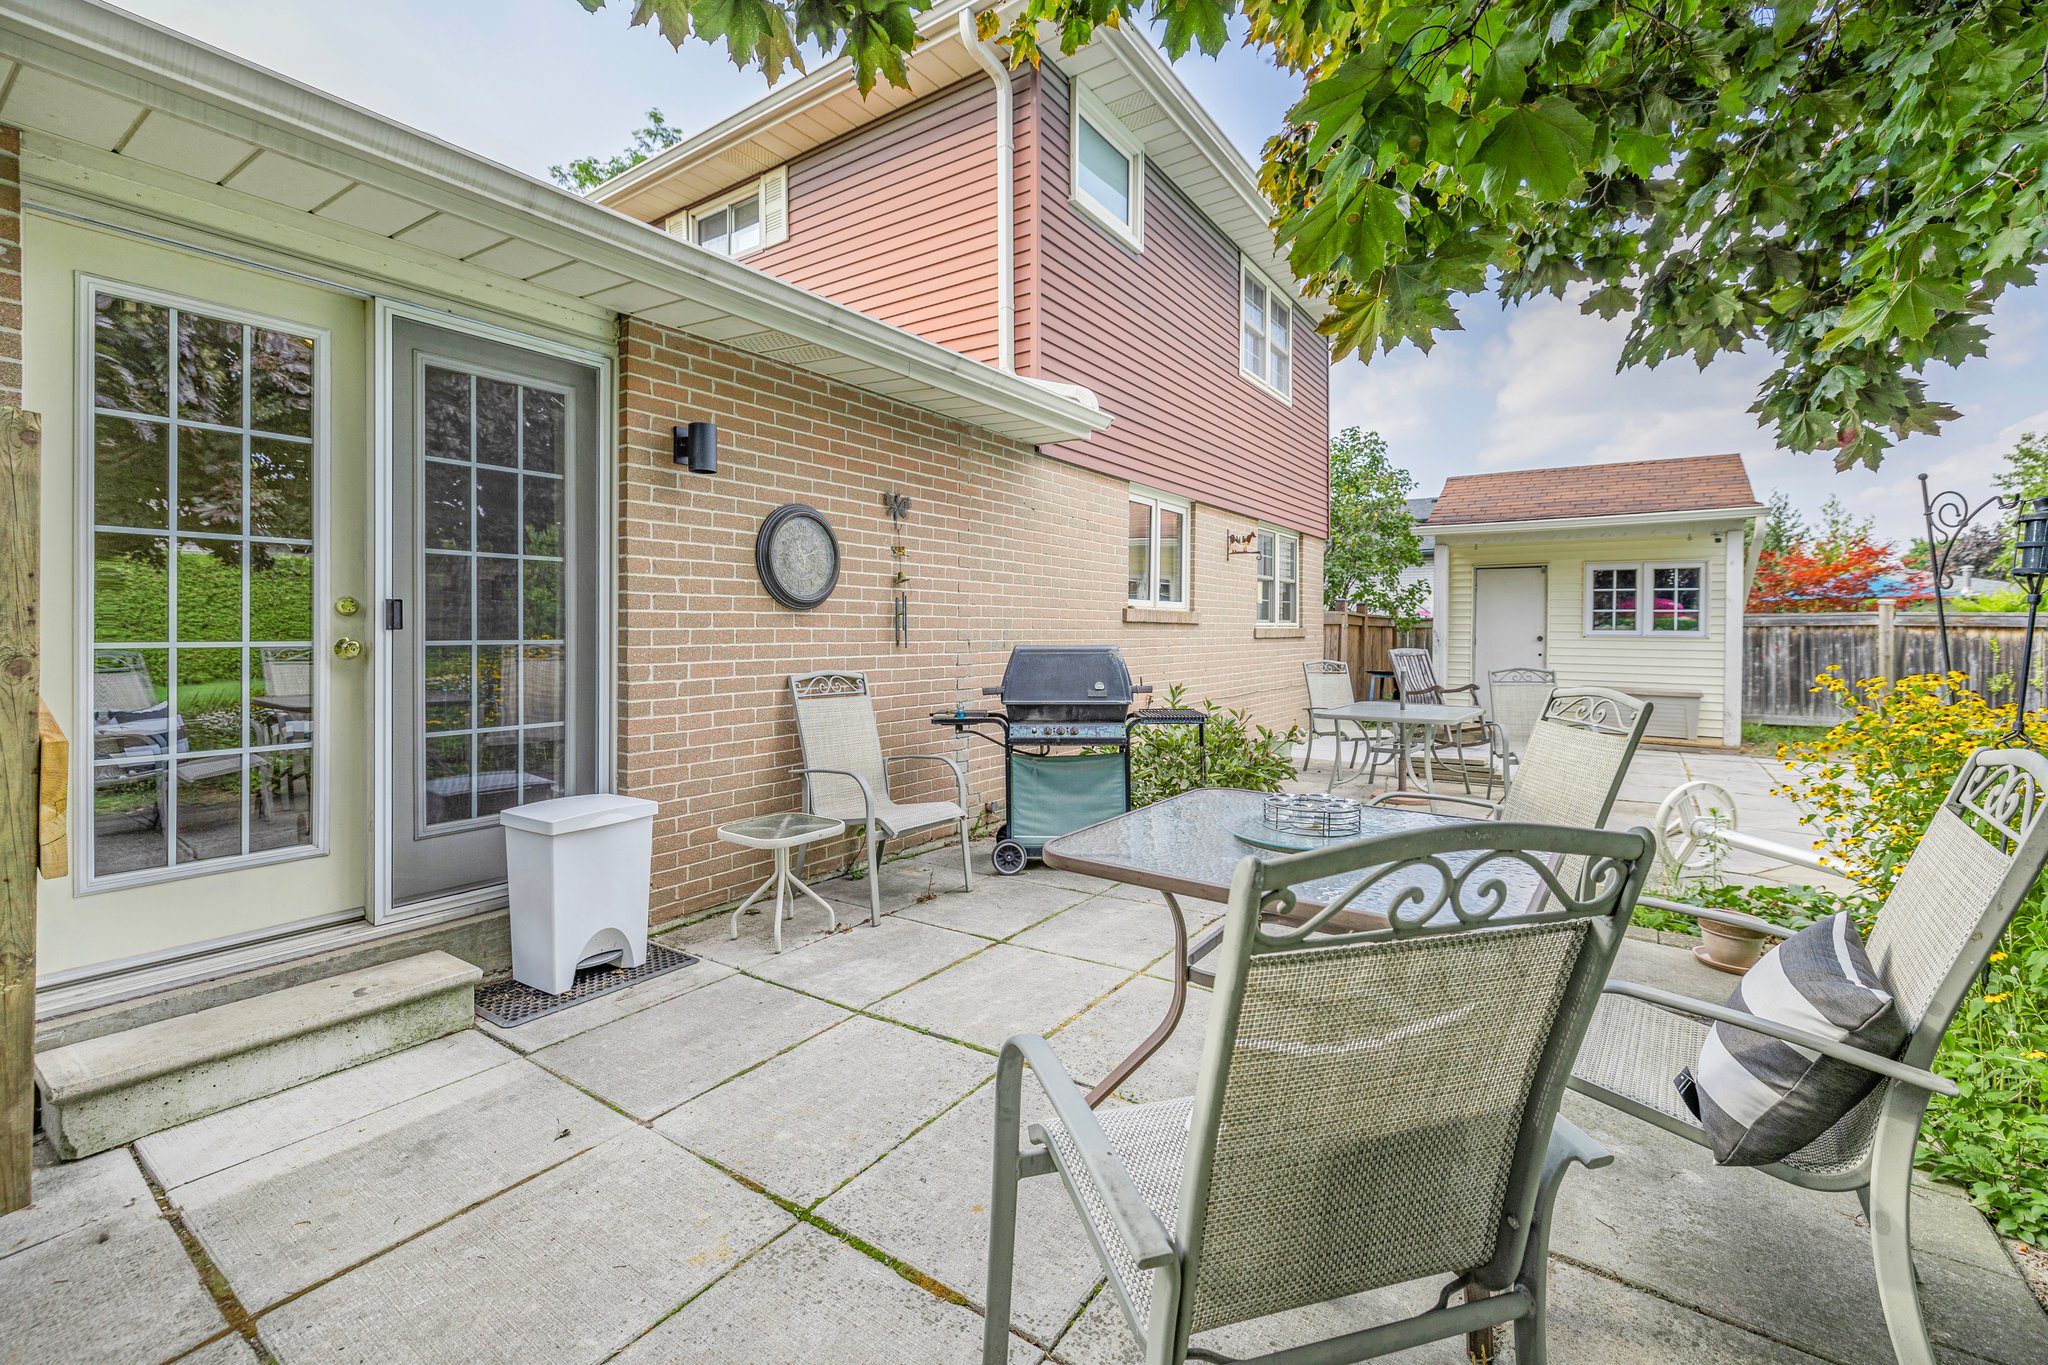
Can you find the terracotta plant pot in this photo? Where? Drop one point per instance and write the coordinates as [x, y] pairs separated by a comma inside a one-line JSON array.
[[1726, 948]]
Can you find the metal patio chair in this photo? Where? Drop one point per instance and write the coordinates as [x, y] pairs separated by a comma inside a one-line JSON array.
[[1374, 1107], [1515, 698], [1415, 676], [847, 778], [1978, 859], [1329, 684]]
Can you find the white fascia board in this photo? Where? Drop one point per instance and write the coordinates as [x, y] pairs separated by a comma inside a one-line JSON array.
[[109, 49], [1655, 521]]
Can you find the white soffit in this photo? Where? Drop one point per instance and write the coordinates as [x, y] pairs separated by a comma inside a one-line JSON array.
[[105, 97]]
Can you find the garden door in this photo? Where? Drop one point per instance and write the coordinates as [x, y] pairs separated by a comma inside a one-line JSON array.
[[213, 414], [493, 633]]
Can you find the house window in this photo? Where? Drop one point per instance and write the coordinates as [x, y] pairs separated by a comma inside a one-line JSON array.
[[741, 223], [1646, 599], [1157, 538], [1108, 171], [1266, 328], [1279, 578], [202, 696]]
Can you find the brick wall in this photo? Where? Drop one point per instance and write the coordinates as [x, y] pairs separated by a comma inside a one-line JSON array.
[[1005, 546], [10, 267]]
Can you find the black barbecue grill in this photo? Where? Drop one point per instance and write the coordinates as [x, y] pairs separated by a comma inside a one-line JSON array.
[[1065, 730]]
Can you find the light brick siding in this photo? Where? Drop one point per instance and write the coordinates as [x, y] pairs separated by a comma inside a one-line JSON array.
[[10, 267], [1005, 546]]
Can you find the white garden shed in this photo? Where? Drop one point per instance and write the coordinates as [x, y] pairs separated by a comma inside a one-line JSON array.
[[1631, 576]]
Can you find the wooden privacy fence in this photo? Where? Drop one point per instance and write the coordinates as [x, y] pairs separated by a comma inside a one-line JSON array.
[[1783, 654], [1363, 641]]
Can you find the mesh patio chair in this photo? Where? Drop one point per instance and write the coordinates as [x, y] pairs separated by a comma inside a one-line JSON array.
[[847, 778], [1373, 1108], [1329, 684], [1979, 857], [1415, 676], [1515, 700]]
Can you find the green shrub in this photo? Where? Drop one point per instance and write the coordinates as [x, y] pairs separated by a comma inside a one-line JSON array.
[[1166, 760], [1788, 907]]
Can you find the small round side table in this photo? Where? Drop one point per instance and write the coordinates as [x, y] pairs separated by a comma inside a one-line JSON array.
[[781, 833]]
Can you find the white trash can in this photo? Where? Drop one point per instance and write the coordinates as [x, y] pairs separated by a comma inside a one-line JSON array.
[[577, 869]]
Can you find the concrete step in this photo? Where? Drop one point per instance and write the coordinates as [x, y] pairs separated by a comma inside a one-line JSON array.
[[108, 1091]]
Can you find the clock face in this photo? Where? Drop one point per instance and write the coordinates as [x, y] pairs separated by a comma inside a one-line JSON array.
[[798, 556]]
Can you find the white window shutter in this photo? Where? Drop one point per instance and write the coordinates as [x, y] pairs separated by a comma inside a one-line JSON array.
[[775, 206], [678, 225]]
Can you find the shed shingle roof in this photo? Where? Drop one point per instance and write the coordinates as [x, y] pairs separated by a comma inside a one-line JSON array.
[[1632, 488]]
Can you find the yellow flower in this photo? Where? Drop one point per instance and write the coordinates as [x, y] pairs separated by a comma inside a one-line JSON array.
[[1998, 998], [2037, 1055], [1997, 957]]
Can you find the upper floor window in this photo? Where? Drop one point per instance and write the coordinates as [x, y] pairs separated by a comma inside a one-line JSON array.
[[1266, 331], [1108, 170], [1646, 599], [742, 222], [1158, 544], [1279, 578]]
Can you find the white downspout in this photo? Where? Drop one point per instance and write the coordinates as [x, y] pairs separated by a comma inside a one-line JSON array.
[[1006, 195]]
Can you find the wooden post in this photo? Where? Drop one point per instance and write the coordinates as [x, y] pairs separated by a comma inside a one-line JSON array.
[[20, 681], [1887, 639]]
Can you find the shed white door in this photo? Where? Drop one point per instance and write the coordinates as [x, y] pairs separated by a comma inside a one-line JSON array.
[[1508, 620]]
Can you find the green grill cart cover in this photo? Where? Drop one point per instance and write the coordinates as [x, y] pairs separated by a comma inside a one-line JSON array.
[[1059, 793]]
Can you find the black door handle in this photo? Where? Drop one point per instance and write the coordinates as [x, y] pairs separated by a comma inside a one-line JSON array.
[[394, 613]]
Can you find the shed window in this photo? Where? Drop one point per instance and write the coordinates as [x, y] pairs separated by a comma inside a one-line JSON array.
[[1646, 599], [1279, 578]]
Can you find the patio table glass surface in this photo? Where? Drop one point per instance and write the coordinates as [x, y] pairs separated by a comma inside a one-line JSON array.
[[1404, 716]]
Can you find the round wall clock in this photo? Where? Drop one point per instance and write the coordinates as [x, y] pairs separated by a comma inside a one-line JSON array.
[[797, 556]]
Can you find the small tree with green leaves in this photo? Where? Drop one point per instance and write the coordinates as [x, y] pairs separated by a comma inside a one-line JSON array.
[[586, 173], [1372, 532], [1785, 527]]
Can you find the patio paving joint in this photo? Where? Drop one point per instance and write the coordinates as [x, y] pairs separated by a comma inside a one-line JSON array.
[[710, 1284], [239, 1322]]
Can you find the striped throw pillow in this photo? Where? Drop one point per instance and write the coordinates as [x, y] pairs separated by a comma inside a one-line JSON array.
[[1760, 1099]]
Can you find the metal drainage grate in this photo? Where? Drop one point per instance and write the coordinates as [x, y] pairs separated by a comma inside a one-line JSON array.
[[512, 1003]]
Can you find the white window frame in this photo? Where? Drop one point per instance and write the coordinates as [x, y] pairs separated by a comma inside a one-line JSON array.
[[1168, 502], [1259, 614], [1645, 571], [769, 191], [1086, 106], [1249, 274], [86, 878]]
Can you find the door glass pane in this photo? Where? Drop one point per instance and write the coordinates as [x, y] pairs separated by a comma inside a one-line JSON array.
[[202, 635], [485, 607]]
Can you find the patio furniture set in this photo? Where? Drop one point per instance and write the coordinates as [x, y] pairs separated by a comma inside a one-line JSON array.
[[1421, 721], [1397, 1010]]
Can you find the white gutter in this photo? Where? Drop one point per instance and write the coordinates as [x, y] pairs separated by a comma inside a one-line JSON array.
[[1703, 514], [1006, 193]]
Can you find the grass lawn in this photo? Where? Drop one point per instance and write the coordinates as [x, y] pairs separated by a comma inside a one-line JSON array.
[[1765, 739]]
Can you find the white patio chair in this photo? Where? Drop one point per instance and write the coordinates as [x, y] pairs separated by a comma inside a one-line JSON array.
[[1972, 868], [1374, 1108], [1515, 700], [847, 778], [1329, 684]]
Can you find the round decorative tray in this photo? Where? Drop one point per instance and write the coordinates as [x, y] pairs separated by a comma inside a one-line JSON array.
[[1327, 817]]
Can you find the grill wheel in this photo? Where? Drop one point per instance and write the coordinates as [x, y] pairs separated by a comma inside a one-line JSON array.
[[1009, 857]]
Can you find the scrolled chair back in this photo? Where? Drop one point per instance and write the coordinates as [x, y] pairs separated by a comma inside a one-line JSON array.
[[1329, 682], [1516, 700], [1374, 1106], [835, 726]]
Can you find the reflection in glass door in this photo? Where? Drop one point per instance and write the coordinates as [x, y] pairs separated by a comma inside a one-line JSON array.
[[493, 657], [203, 692]]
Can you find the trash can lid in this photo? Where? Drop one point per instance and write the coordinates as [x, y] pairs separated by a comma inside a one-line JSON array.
[[567, 814]]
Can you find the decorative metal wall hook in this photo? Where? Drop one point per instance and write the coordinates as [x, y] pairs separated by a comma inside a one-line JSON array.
[[1948, 515]]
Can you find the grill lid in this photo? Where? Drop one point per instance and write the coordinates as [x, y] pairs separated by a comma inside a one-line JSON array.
[[1067, 675]]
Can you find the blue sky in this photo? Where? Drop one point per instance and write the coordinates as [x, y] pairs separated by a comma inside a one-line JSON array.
[[532, 83]]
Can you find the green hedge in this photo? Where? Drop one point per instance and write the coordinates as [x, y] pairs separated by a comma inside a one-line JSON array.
[[130, 594]]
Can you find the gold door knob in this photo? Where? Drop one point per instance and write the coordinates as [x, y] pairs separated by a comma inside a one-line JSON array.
[[346, 648], [347, 606]]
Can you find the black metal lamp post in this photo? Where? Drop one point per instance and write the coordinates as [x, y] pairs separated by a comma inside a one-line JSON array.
[[2030, 567]]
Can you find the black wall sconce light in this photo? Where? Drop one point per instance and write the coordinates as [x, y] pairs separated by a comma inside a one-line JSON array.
[[697, 447]]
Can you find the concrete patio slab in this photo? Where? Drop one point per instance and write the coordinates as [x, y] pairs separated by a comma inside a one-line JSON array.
[[868, 961], [229, 1350], [1003, 991], [93, 1272], [1090, 1045], [711, 938], [1111, 930], [826, 1302], [307, 1210], [803, 1122], [933, 875], [998, 908], [566, 1268], [1789, 1264], [178, 1156], [652, 1060], [549, 1029], [927, 1204]]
